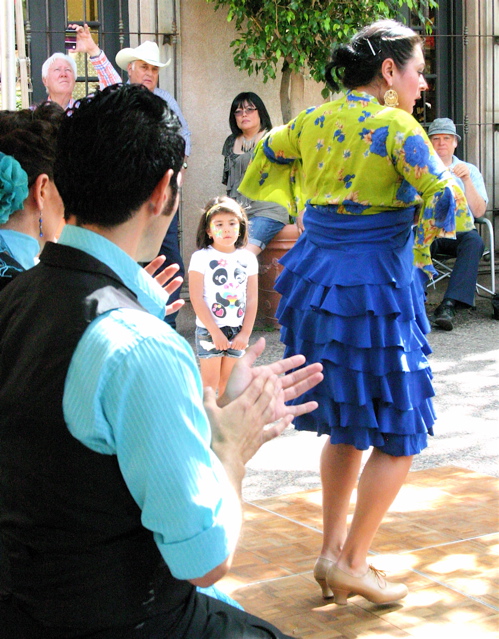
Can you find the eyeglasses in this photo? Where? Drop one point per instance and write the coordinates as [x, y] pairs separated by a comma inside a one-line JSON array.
[[247, 109]]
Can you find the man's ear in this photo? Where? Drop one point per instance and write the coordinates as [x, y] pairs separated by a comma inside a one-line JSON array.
[[160, 195], [39, 190]]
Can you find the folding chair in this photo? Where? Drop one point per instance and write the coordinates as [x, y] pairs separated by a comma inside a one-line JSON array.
[[444, 263]]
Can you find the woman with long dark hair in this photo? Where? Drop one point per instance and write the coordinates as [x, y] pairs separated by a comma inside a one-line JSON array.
[[366, 174]]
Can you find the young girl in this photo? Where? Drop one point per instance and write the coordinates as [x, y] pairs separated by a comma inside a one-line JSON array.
[[223, 288]]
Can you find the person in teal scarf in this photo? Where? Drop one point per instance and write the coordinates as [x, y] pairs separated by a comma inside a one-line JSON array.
[[31, 209]]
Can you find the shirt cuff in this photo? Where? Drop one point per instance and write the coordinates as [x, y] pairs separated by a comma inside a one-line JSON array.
[[100, 58], [193, 558]]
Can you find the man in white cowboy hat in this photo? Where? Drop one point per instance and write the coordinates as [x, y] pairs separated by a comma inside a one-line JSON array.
[[142, 64], [468, 246]]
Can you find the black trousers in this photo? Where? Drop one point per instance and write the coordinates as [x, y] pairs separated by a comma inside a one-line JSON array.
[[171, 250], [202, 618]]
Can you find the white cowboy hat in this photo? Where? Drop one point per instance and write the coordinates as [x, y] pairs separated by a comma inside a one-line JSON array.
[[147, 51]]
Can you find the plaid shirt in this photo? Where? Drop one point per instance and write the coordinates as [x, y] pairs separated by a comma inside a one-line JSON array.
[[105, 71]]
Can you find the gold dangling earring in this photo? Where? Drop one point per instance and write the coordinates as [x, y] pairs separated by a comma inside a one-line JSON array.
[[391, 98]]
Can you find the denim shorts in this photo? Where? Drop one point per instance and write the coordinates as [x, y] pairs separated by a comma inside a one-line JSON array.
[[205, 348], [262, 230]]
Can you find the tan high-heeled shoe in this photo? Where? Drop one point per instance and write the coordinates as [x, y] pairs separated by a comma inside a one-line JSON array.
[[320, 572], [372, 586]]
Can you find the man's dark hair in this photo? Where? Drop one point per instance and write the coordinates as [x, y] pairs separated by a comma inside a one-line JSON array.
[[113, 149], [248, 97], [31, 137]]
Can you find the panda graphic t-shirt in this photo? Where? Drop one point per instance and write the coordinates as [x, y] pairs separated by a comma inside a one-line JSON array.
[[225, 282]]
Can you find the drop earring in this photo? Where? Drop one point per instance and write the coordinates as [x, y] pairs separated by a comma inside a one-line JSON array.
[[40, 225], [391, 98]]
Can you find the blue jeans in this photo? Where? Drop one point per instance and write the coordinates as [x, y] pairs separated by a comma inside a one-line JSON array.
[[205, 348], [171, 250], [262, 230]]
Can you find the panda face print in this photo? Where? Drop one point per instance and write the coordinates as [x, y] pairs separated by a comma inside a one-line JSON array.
[[220, 276], [240, 275]]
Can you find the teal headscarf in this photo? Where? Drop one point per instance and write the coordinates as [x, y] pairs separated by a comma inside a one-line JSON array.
[[13, 186]]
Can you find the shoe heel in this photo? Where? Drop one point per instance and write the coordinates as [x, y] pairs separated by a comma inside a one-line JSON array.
[[327, 593], [340, 597]]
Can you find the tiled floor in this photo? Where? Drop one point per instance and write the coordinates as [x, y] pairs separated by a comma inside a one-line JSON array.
[[440, 537]]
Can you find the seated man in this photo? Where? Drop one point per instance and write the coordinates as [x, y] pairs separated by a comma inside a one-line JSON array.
[[468, 246], [119, 484]]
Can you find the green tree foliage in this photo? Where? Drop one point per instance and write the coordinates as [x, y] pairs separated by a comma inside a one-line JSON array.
[[299, 34]]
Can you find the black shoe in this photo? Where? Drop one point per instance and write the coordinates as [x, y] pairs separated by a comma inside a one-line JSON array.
[[444, 314]]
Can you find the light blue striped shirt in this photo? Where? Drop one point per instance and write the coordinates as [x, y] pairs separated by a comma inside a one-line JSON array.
[[476, 179], [22, 247], [133, 390]]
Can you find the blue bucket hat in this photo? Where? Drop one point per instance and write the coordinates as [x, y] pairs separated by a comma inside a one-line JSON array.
[[443, 126]]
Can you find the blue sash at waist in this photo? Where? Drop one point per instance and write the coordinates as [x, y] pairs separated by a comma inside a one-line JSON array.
[[387, 230], [351, 250]]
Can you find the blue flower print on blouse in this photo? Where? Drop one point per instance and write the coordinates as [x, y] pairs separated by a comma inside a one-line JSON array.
[[444, 209], [357, 98], [435, 167], [406, 192], [269, 152], [416, 151], [319, 145], [378, 144], [354, 207], [365, 133], [428, 213], [339, 135], [348, 180], [263, 177], [320, 121], [364, 116]]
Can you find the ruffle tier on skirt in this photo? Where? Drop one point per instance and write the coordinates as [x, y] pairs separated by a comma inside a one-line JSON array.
[[352, 299]]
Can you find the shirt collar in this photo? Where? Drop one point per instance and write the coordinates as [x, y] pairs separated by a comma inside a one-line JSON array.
[[353, 95], [149, 293], [23, 248], [70, 104]]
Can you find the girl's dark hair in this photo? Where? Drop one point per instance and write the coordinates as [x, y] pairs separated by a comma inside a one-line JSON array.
[[31, 138], [358, 63], [221, 204], [248, 97]]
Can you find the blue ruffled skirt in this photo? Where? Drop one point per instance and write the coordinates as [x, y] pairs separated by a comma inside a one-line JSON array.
[[352, 299]]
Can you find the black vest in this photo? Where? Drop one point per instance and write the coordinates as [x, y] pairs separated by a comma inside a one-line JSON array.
[[9, 269], [80, 560]]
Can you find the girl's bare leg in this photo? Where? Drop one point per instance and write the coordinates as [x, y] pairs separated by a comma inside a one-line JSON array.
[[210, 371], [226, 370]]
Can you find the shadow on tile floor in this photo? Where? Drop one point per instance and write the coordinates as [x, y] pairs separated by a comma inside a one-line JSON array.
[[440, 537]]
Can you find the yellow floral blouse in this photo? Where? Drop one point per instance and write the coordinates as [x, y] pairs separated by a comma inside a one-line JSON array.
[[364, 158]]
